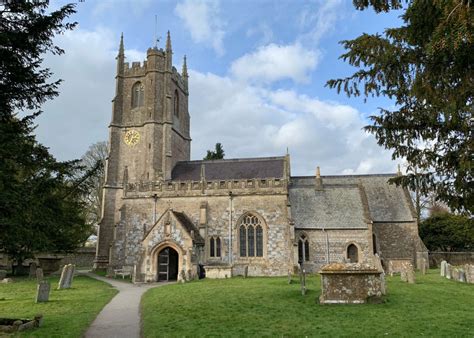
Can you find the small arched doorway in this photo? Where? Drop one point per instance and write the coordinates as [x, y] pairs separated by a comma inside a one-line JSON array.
[[167, 264]]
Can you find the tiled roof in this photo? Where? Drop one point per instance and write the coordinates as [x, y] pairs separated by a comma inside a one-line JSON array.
[[247, 168], [386, 202], [333, 207], [189, 226]]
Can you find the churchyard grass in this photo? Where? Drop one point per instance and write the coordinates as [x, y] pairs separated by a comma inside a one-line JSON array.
[[434, 306], [67, 314]]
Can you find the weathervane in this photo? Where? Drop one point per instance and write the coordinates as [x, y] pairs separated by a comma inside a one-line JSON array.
[[156, 39]]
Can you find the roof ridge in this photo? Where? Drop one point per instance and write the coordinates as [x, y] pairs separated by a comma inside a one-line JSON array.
[[243, 159], [342, 176]]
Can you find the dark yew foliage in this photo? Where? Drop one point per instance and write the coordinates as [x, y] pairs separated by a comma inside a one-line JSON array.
[[40, 198], [217, 154], [427, 68], [447, 232]]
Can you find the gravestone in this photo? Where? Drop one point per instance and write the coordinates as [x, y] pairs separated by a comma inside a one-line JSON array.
[[410, 273], [383, 285], [303, 282], [62, 279], [32, 273], [462, 276], [455, 274], [448, 271], [289, 277], [3, 274], [39, 274], [403, 275], [423, 266], [390, 268], [70, 275], [246, 271], [443, 268], [42, 292]]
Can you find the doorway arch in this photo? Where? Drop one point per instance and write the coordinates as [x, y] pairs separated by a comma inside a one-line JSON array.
[[168, 260]]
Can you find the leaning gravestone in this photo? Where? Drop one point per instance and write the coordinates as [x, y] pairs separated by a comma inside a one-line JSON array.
[[62, 280], [42, 292], [32, 273], [70, 276], [39, 274], [443, 268]]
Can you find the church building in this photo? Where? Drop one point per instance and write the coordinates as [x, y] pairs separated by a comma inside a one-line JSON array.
[[171, 218]]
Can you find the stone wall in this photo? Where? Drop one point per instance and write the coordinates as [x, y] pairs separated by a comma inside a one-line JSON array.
[[453, 258], [137, 217], [339, 240], [396, 241]]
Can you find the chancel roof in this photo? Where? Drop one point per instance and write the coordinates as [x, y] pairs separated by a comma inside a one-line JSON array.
[[333, 207], [246, 168], [342, 201]]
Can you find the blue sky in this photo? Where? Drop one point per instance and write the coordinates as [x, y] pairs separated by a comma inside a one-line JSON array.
[[257, 76]]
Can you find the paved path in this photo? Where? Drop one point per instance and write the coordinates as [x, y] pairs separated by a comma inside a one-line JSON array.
[[121, 316]]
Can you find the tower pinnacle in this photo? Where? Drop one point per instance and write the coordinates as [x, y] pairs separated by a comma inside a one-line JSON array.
[[121, 49], [184, 72], [168, 42]]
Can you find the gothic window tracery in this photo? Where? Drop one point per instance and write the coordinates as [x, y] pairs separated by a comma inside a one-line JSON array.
[[215, 247], [303, 248], [138, 95], [251, 236]]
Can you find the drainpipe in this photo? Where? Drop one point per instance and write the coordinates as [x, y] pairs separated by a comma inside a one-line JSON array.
[[155, 197], [230, 227]]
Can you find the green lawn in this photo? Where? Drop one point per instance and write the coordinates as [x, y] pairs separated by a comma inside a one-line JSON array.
[[68, 313], [269, 306]]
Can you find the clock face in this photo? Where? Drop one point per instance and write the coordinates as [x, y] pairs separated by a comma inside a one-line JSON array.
[[132, 137]]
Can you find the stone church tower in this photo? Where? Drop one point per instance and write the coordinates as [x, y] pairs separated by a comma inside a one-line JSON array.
[[149, 131]]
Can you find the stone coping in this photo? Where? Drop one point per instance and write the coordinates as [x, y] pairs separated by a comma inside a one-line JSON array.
[[349, 268]]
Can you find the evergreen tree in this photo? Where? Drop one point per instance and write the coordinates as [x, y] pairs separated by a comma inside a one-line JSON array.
[[40, 198], [217, 154], [426, 67]]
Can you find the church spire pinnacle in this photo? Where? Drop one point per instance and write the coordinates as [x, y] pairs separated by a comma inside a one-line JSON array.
[[168, 42], [121, 48], [184, 72]]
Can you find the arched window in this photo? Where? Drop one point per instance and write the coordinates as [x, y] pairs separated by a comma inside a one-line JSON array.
[[303, 249], [352, 253], [214, 247], [176, 103], [138, 95], [251, 237]]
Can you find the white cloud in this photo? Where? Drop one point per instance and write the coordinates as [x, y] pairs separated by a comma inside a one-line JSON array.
[[251, 121], [201, 18], [318, 21], [275, 62]]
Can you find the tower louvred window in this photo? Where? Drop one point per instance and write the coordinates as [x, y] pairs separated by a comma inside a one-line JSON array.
[[138, 95]]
